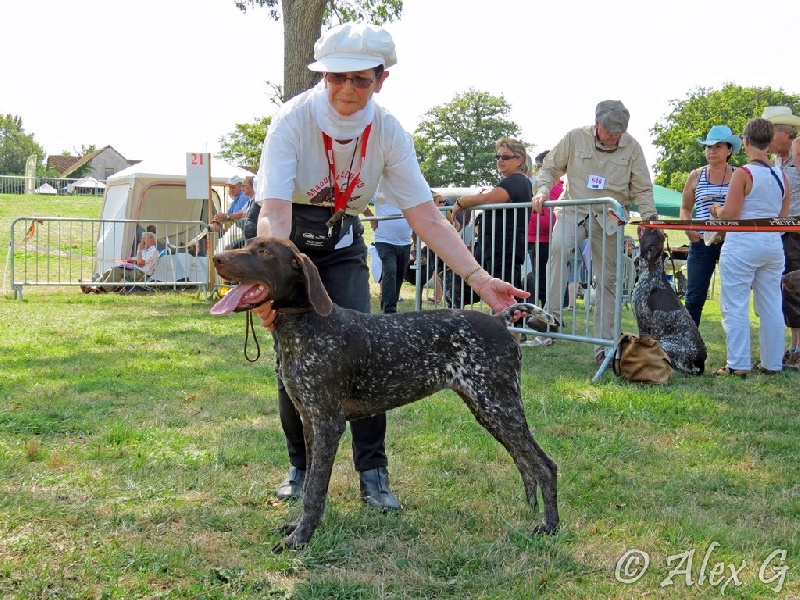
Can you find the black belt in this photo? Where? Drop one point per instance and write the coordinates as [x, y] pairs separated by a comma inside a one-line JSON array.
[[321, 214]]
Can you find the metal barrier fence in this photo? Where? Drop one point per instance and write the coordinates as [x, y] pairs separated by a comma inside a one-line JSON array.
[[54, 251], [51, 186], [502, 258], [51, 251]]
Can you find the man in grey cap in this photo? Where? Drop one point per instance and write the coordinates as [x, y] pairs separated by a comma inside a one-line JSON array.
[[238, 209], [599, 160]]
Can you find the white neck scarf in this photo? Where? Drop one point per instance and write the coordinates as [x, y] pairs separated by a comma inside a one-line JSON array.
[[339, 127]]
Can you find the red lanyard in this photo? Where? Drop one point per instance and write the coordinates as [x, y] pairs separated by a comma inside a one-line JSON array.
[[341, 197]]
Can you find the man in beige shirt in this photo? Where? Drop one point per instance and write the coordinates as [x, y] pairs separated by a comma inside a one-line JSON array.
[[599, 161]]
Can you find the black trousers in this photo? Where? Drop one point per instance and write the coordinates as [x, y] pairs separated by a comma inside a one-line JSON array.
[[394, 262], [791, 303], [345, 275], [539, 271]]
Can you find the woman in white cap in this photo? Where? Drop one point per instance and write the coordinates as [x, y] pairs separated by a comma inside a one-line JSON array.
[[706, 186], [324, 154]]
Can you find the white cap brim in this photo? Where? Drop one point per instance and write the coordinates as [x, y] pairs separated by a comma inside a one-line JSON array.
[[346, 63]]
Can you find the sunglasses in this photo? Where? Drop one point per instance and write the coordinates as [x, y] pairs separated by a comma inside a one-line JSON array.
[[505, 156], [360, 82]]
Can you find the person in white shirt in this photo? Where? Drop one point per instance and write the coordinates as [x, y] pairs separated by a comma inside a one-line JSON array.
[[324, 155], [137, 268], [393, 244]]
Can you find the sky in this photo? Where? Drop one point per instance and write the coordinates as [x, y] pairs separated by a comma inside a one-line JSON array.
[[155, 78]]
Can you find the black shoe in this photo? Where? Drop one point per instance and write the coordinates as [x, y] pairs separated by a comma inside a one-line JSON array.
[[375, 489], [292, 486]]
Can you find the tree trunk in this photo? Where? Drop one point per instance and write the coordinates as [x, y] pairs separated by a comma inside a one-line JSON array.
[[302, 26]]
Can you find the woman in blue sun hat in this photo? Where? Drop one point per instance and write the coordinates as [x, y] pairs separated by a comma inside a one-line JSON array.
[[706, 186]]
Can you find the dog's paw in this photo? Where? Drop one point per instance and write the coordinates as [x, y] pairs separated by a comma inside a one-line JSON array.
[[290, 542], [286, 528], [544, 529], [535, 317], [538, 324], [541, 320]]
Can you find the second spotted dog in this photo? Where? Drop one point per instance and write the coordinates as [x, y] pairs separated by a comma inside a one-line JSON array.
[[659, 311]]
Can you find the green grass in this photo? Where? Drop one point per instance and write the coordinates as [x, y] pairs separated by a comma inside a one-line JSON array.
[[139, 453]]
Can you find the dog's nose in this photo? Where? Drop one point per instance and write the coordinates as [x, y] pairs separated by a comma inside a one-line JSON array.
[[220, 259]]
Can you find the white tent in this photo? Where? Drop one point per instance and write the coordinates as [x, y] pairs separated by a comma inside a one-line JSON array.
[[45, 188], [86, 185], [153, 191]]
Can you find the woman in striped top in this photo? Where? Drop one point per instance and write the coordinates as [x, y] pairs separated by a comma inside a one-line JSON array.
[[706, 186]]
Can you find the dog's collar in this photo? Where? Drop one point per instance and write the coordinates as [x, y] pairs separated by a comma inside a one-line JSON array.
[[293, 311]]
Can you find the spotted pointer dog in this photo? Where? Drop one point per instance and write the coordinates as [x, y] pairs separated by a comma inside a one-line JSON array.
[[338, 364], [659, 311]]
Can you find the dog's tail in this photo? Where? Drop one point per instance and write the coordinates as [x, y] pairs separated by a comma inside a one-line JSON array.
[[537, 318]]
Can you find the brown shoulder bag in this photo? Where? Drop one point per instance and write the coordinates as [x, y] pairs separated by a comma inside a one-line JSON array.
[[641, 358]]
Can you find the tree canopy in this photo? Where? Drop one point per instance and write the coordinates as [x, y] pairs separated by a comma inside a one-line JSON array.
[[455, 142], [675, 136], [16, 146], [340, 11], [302, 25], [243, 146]]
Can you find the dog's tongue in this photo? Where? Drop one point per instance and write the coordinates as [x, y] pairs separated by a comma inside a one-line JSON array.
[[231, 300]]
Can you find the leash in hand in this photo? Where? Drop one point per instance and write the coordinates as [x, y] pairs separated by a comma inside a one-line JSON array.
[[248, 328]]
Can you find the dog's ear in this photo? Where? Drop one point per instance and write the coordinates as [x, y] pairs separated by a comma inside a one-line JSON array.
[[316, 291]]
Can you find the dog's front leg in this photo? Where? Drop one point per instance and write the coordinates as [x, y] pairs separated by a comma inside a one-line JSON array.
[[308, 437], [326, 435]]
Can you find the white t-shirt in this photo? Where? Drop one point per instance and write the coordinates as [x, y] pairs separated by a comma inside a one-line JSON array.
[[293, 164], [150, 257], [391, 231]]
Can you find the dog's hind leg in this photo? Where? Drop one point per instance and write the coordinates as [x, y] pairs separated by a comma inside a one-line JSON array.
[[503, 415], [326, 436]]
